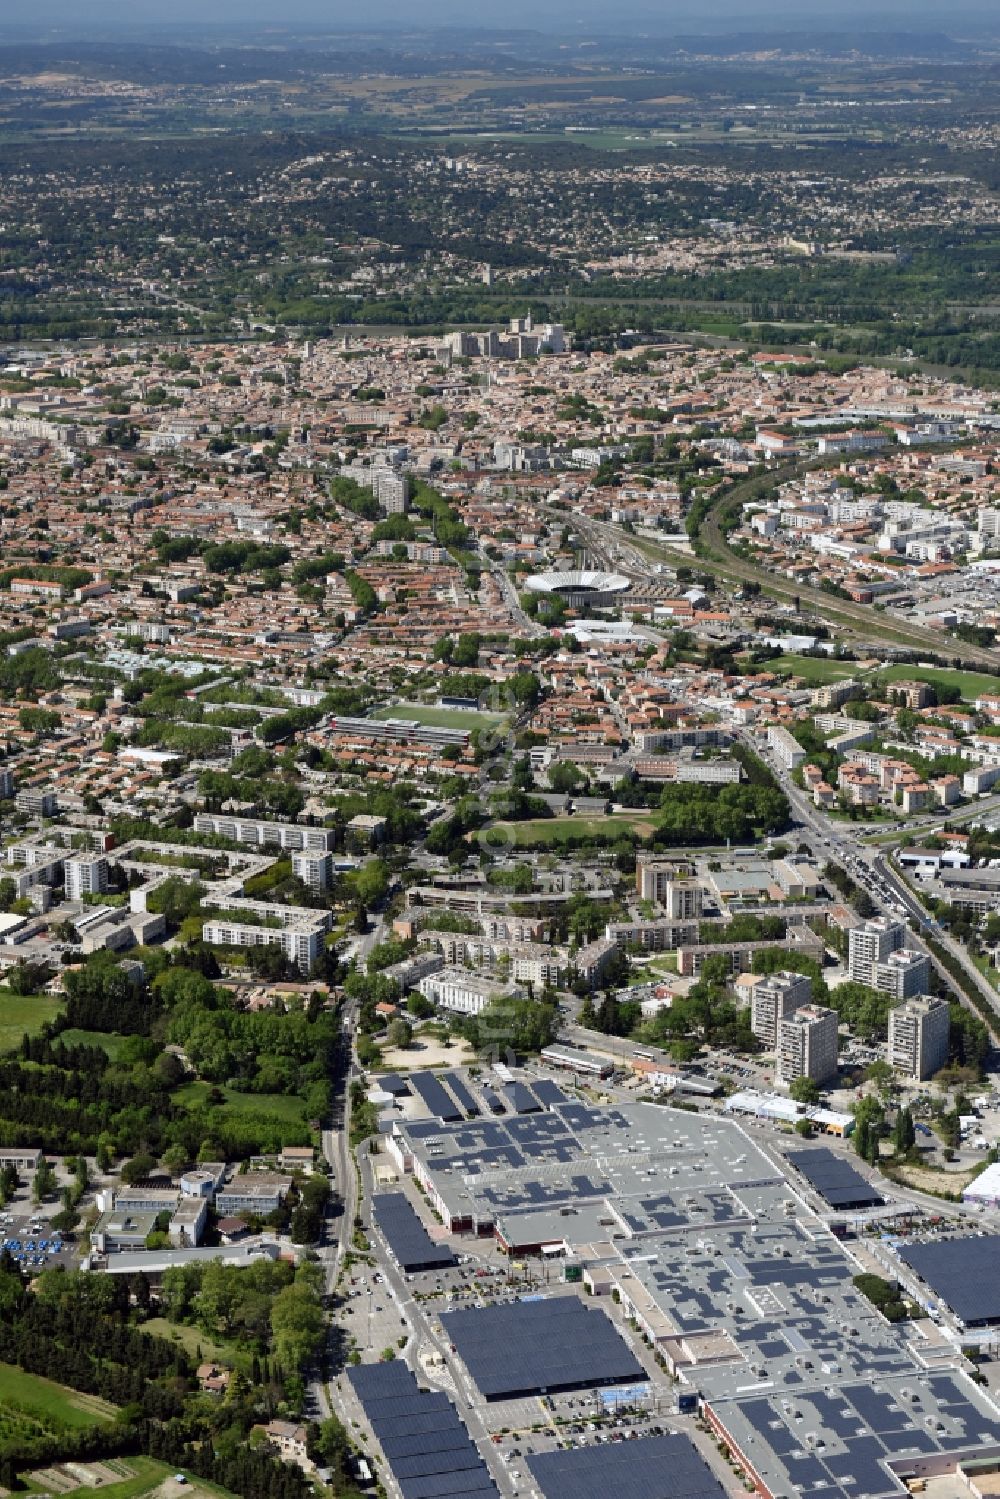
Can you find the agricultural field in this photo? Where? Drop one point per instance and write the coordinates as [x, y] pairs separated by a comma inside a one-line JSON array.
[[142, 1478], [31, 1406]]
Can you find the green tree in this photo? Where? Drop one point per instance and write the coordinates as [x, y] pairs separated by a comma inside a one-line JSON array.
[[399, 1033], [904, 1136], [297, 1325], [44, 1183], [371, 881]]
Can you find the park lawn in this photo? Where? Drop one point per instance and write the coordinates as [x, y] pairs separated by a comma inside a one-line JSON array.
[[109, 1042], [23, 1014], [986, 968], [148, 1476], [441, 718], [283, 1106], [969, 683], [195, 1343], [48, 1400], [541, 831], [818, 669]]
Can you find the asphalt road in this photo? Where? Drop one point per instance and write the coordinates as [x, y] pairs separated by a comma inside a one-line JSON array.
[[870, 869], [339, 1157]]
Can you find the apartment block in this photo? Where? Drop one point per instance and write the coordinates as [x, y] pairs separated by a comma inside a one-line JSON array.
[[85, 877], [652, 936], [904, 974], [919, 1029], [459, 989], [787, 750], [37, 803], [989, 523], [681, 897], [261, 834], [807, 1045], [392, 490], [315, 870], [871, 944], [833, 695], [773, 999], [913, 695], [301, 947]]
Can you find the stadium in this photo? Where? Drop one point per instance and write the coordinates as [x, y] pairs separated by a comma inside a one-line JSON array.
[[581, 590]]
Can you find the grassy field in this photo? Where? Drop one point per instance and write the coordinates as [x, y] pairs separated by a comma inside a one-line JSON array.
[[818, 669], [986, 968], [21, 1014], [49, 1401], [542, 831], [441, 718], [109, 1043], [969, 683], [280, 1106], [193, 1341]]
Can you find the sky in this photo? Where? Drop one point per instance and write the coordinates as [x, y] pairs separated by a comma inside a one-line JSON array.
[[98, 17]]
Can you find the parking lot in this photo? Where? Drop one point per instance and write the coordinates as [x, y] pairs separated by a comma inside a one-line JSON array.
[[32, 1244], [370, 1314]]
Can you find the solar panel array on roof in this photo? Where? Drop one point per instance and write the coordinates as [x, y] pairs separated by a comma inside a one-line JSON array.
[[428, 1461], [835, 1180], [521, 1099], [864, 1426], [492, 1101], [525, 1348], [434, 1096], [391, 1082], [963, 1272], [666, 1467], [406, 1236], [461, 1092], [547, 1092]]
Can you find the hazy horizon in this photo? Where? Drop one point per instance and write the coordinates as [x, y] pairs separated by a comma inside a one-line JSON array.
[[62, 18]]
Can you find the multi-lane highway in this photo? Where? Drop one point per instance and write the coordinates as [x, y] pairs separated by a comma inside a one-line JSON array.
[[870, 869]]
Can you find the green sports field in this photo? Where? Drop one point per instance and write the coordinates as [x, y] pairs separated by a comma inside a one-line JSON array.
[[441, 718], [816, 669], [969, 683]]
